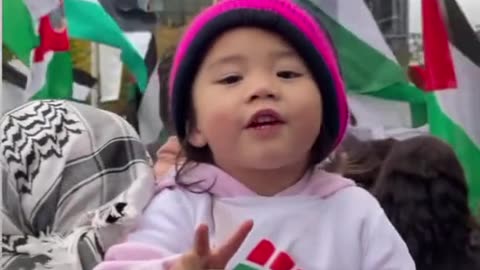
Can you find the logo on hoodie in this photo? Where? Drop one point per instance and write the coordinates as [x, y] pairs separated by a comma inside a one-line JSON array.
[[266, 256]]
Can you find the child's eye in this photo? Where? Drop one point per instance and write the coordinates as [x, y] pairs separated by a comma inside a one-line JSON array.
[[287, 74], [230, 79]]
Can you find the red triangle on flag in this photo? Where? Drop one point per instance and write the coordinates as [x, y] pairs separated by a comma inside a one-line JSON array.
[[51, 39], [439, 70]]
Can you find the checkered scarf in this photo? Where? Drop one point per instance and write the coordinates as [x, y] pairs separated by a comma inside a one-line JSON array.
[[73, 179]]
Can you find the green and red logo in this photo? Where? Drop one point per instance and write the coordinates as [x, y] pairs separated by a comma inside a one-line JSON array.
[[265, 256]]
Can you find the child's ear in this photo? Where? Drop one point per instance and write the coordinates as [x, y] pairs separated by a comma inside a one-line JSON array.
[[196, 138]]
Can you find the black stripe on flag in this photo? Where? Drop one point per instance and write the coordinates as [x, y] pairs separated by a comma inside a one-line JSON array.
[[84, 78], [151, 56], [129, 16], [17, 78], [13, 76], [461, 33]]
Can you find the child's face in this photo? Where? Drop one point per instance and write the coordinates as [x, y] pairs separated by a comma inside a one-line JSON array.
[[248, 71]]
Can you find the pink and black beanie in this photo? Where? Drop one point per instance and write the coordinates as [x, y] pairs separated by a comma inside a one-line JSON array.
[[283, 17]]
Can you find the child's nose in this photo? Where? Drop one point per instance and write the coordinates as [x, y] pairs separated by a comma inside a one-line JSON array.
[[265, 89]]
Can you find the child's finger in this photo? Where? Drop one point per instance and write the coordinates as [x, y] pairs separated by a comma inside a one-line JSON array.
[[221, 256], [201, 245], [197, 258], [188, 261]]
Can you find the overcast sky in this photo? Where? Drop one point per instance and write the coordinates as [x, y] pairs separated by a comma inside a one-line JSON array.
[[470, 7]]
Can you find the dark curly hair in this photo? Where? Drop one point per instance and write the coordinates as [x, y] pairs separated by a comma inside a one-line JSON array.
[[423, 190], [363, 159]]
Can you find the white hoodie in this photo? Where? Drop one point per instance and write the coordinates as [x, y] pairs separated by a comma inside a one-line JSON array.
[[324, 222]]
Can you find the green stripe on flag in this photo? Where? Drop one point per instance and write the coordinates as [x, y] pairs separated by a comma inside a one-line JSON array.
[[419, 114], [59, 78], [18, 33], [401, 92], [88, 20], [365, 69], [467, 151]]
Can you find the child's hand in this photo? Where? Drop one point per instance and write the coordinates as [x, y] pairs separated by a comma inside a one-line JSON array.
[[202, 257]]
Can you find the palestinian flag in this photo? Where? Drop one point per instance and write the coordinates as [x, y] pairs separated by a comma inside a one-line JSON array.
[[379, 90], [30, 24], [451, 75], [39, 39], [129, 16], [145, 108], [22, 38], [13, 87], [83, 84], [150, 124], [35, 31], [14, 90], [51, 69], [88, 20]]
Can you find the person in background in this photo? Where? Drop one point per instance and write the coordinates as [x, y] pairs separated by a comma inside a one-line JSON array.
[[422, 188], [362, 160], [258, 102], [168, 130], [166, 153]]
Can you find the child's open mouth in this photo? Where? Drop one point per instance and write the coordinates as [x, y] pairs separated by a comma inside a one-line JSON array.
[[265, 118]]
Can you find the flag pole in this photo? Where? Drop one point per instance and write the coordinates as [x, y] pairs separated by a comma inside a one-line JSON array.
[[95, 67]]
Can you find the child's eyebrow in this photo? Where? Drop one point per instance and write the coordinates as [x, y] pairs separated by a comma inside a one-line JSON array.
[[286, 53], [234, 58], [240, 58]]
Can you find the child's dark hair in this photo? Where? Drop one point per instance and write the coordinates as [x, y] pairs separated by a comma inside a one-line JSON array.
[[423, 190]]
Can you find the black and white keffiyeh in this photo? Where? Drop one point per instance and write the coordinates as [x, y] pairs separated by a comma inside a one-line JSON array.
[[73, 179]]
